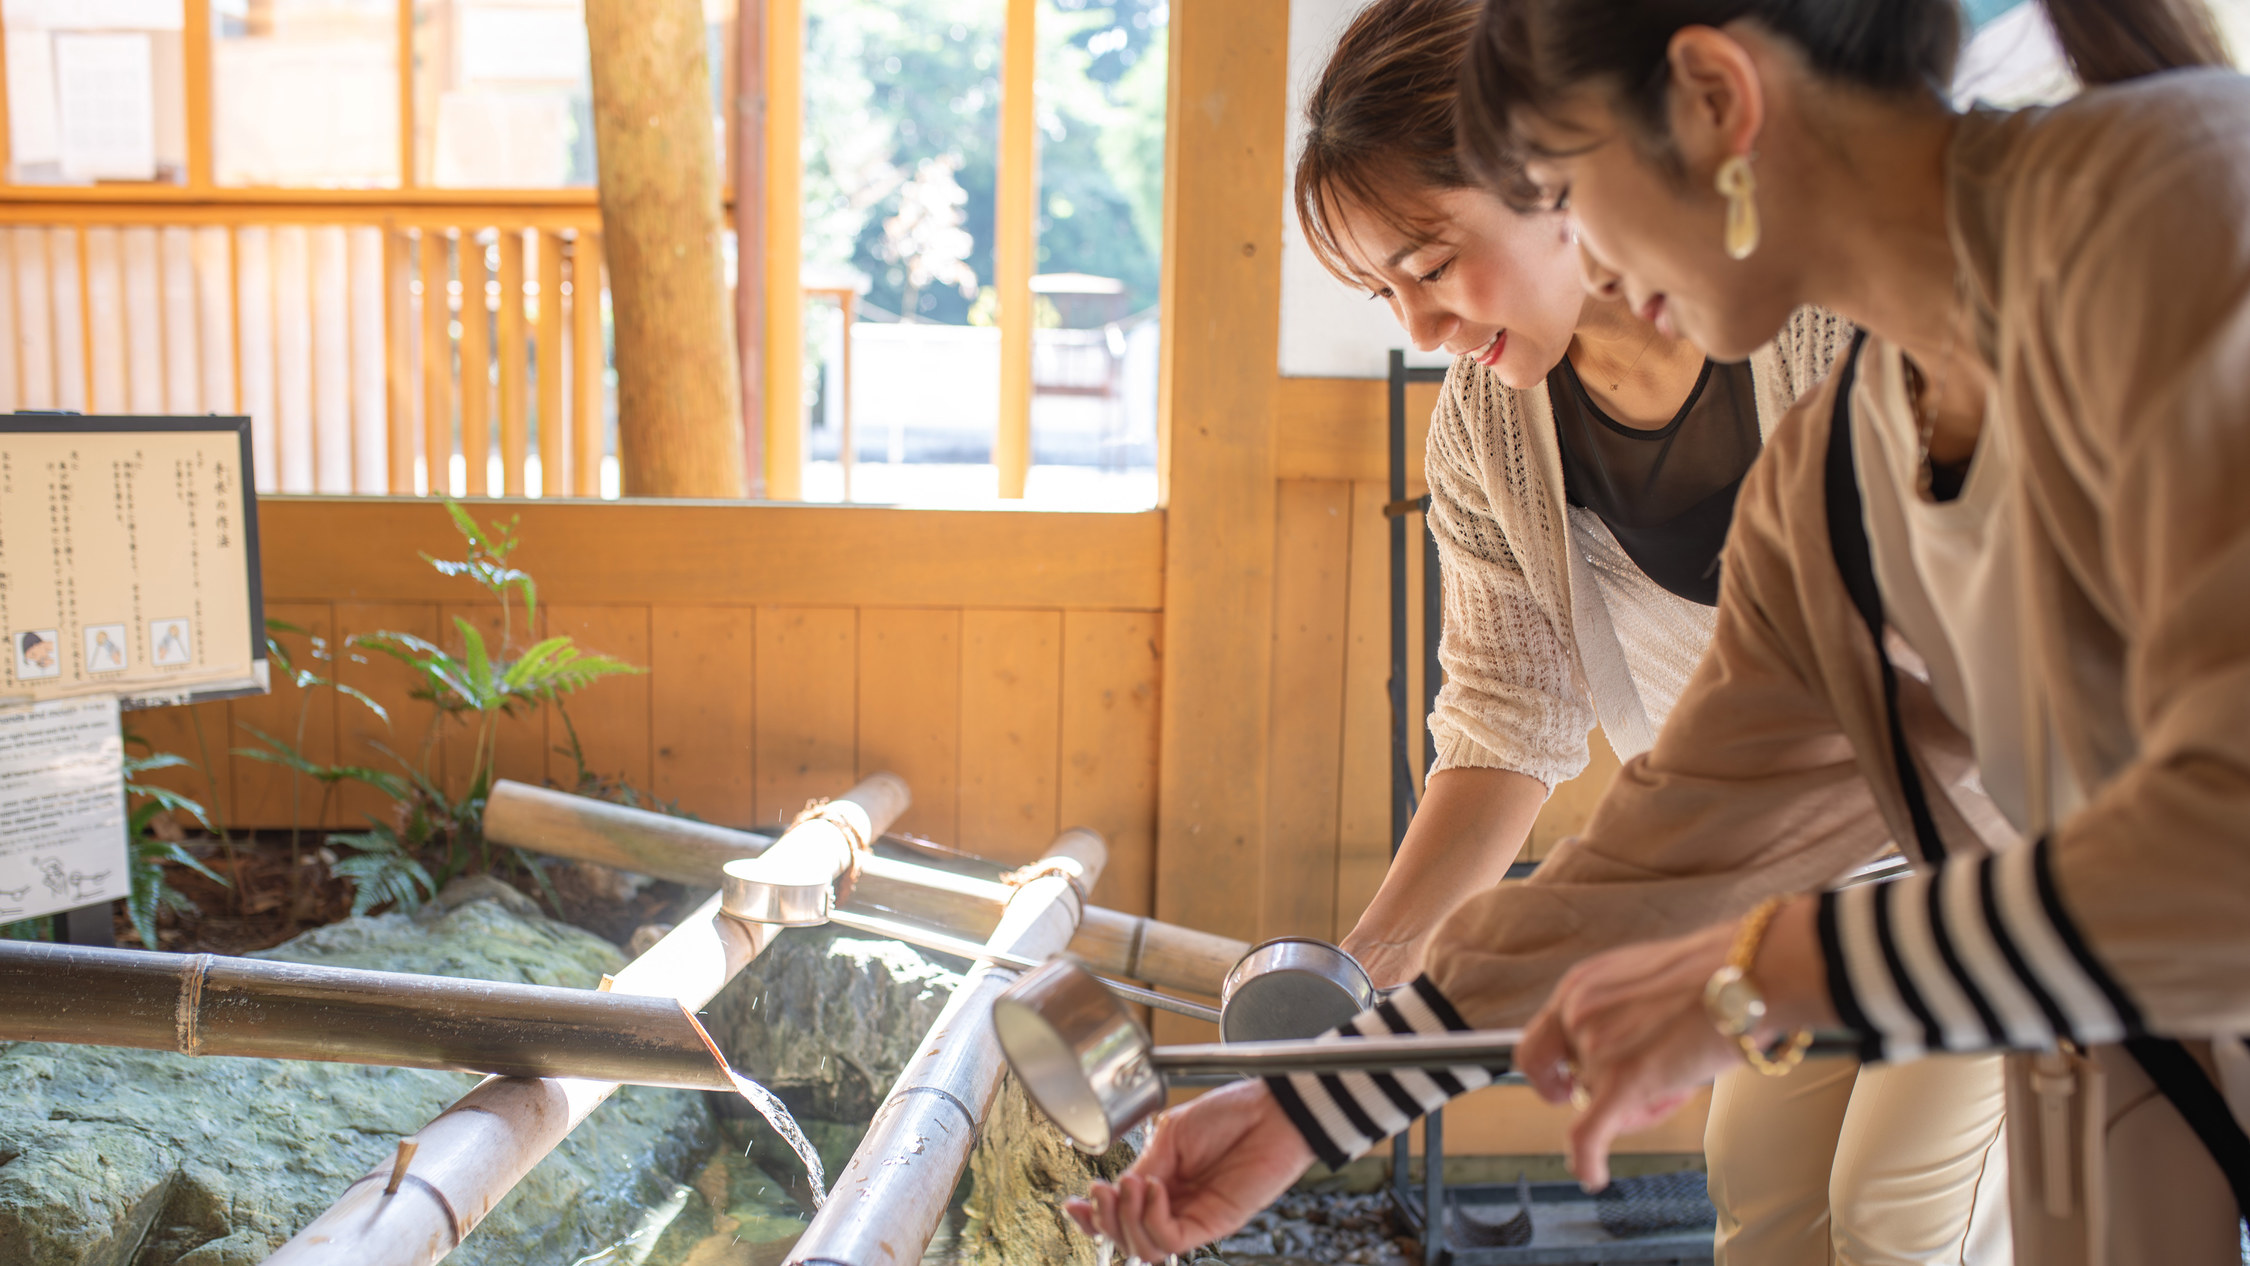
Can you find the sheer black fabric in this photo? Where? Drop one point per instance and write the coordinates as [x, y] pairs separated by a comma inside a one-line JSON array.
[[1667, 495]]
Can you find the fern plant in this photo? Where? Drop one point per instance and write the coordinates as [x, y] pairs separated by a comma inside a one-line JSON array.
[[434, 831], [151, 891]]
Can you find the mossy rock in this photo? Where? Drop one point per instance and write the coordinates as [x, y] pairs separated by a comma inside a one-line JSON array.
[[142, 1158]]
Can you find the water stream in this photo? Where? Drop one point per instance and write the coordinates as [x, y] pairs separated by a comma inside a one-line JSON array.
[[777, 1115]]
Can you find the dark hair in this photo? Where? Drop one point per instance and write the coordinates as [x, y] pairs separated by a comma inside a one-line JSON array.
[[1527, 54], [1381, 121]]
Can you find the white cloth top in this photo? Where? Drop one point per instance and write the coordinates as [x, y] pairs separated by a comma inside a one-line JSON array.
[[1549, 627], [1954, 589]]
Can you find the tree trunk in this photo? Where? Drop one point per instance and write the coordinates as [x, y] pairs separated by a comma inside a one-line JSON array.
[[679, 402]]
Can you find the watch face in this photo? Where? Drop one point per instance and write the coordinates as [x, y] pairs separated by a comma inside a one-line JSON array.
[[1734, 1004]]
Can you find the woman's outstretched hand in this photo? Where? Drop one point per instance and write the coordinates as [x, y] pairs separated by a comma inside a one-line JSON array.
[[1627, 1032], [1210, 1166]]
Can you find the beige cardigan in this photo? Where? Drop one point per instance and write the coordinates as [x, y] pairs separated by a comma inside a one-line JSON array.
[[1548, 625]]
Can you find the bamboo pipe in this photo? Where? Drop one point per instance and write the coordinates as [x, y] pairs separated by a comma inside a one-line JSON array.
[[475, 1152], [1110, 941], [205, 1004], [888, 1201]]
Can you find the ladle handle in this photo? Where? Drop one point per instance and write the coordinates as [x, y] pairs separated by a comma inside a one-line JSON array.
[[1494, 1049], [956, 946]]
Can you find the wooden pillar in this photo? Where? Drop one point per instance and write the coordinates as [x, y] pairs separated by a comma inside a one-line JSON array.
[[678, 397], [750, 234], [1223, 203], [785, 218], [1015, 226]]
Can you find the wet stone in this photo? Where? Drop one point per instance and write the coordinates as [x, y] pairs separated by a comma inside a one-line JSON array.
[[827, 1019], [142, 1158]]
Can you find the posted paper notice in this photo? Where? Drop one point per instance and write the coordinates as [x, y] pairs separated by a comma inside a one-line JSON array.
[[62, 807]]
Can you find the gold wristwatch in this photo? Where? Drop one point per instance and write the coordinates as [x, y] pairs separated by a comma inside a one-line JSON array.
[[1736, 1005]]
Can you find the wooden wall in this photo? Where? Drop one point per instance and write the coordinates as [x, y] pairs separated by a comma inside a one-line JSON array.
[[1005, 664]]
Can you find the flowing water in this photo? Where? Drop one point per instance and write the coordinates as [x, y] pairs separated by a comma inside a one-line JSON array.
[[777, 1115]]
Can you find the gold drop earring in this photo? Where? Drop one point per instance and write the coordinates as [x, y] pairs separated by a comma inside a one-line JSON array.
[[1739, 186]]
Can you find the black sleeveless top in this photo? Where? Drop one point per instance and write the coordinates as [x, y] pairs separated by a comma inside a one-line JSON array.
[[1667, 495]]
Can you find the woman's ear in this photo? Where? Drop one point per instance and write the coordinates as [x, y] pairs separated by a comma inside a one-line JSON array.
[[1717, 99]]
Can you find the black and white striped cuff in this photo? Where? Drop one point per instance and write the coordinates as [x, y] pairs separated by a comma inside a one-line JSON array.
[[1976, 955], [1343, 1114]]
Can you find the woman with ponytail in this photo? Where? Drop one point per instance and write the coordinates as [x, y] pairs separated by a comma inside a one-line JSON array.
[[2011, 522], [1582, 468]]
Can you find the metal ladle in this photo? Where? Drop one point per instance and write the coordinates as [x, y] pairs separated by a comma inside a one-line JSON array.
[[1092, 1069]]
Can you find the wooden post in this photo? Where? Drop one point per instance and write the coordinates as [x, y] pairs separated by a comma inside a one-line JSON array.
[[679, 396], [437, 362], [554, 442], [785, 302], [750, 235], [1015, 221], [1223, 199], [889, 1199], [587, 365], [476, 365], [514, 434]]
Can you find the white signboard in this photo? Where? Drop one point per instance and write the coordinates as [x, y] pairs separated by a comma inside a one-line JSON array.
[[128, 560], [62, 807]]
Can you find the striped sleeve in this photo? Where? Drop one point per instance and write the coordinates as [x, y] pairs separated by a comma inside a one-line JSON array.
[[1976, 954], [1343, 1114]]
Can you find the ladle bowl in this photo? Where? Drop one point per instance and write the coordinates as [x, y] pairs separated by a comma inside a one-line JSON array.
[[1292, 986], [1081, 1056]]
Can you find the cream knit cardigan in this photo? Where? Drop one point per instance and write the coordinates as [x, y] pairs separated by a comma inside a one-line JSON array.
[[1549, 626]]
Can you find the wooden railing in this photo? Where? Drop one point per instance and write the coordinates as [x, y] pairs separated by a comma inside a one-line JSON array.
[[376, 349]]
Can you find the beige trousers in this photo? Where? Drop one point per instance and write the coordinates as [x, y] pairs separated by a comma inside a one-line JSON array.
[[1861, 1165]]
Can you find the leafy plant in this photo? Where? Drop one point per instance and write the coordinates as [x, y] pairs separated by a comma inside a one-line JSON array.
[[435, 831], [307, 675], [151, 891], [382, 870]]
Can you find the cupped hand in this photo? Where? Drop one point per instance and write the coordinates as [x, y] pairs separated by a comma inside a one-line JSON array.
[[1628, 1028], [1209, 1167]]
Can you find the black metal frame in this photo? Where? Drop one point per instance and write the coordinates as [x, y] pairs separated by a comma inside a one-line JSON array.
[[1403, 801]]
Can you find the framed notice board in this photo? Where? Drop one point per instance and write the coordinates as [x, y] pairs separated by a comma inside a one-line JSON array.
[[128, 560]]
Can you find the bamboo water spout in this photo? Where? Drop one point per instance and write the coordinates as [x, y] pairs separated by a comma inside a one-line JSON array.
[[888, 1201], [205, 1004], [1110, 941], [476, 1151]]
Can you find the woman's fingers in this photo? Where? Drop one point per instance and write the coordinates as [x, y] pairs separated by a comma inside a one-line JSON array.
[[1543, 1055], [1158, 1217], [1105, 1209], [1132, 1210], [1081, 1211]]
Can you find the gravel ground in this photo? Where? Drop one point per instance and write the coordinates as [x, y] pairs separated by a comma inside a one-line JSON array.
[[1322, 1227]]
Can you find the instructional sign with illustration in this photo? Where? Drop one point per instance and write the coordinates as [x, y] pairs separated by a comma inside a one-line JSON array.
[[128, 560], [62, 807]]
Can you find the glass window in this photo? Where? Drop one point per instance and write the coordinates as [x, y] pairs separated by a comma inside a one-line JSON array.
[[503, 92], [304, 93], [502, 97], [1102, 83], [96, 93], [902, 122]]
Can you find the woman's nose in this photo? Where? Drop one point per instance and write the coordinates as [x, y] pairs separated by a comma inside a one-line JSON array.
[[1600, 280], [1428, 326]]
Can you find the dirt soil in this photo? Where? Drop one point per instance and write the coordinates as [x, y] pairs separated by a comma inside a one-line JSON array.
[[277, 892]]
